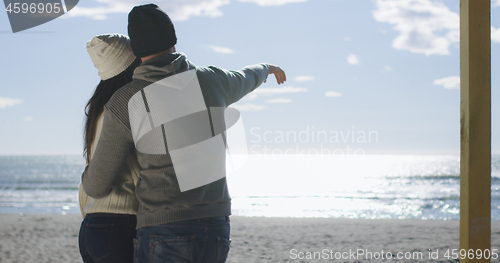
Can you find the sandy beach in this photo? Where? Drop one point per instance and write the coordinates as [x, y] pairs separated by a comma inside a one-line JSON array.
[[54, 238]]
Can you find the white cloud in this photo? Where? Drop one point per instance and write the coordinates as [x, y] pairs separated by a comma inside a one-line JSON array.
[[279, 100], [424, 26], [388, 69], [272, 2], [28, 118], [495, 34], [333, 94], [273, 91], [221, 50], [495, 3], [248, 107], [7, 102], [452, 82], [98, 12], [352, 59], [177, 10], [304, 78]]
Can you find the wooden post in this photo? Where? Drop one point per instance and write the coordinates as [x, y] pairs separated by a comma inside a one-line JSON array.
[[475, 128]]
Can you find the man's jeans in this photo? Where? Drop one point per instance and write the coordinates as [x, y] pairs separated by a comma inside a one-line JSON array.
[[200, 240]]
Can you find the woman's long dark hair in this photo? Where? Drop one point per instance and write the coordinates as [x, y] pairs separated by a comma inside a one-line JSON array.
[[103, 92]]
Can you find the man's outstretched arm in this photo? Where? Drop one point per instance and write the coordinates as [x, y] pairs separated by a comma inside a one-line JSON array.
[[278, 73], [239, 83]]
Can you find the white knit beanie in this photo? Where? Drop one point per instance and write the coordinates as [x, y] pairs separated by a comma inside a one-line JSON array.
[[111, 54]]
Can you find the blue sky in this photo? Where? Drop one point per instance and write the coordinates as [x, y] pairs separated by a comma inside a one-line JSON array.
[[380, 76]]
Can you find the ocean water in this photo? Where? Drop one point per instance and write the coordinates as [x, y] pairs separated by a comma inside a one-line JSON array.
[[368, 186]]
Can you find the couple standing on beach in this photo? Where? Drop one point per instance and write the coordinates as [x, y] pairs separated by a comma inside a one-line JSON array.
[[154, 188]]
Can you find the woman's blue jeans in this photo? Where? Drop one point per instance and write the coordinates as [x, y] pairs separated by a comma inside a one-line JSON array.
[[191, 241], [107, 238]]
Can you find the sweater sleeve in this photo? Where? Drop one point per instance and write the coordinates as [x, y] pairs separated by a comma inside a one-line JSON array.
[[110, 156], [239, 83]]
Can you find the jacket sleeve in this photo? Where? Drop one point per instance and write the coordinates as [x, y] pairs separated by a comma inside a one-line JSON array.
[[114, 146], [239, 83]]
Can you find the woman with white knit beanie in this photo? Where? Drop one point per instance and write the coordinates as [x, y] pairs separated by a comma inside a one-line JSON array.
[[108, 227]]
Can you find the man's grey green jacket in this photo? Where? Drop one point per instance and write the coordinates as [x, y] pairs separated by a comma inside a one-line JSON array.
[[170, 111]]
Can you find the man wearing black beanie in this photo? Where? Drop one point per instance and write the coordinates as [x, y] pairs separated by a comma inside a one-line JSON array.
[[170, 117], [150, 30]]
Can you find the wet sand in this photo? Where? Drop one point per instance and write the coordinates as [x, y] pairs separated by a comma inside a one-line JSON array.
[[54, 238]]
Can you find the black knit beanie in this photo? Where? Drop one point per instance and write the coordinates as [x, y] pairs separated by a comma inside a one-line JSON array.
[[150, 30]]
